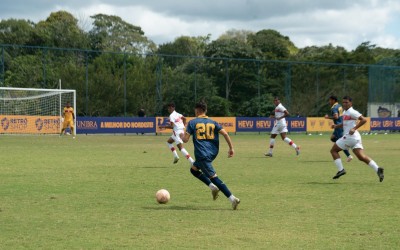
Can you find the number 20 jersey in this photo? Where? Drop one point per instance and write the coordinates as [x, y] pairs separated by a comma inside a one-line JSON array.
[[205, 137]]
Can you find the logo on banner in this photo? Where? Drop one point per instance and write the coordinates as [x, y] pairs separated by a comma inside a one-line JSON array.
[[5, 123], [39, 124], [161, 121]]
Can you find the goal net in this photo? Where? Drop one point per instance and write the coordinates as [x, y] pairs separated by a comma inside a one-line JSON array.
[[33, 111]]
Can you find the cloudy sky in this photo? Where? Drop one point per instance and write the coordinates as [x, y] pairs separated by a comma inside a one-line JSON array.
[[345, 23]]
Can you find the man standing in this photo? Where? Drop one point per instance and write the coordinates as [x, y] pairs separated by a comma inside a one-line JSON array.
[[352, 139], [69, 118], [206, 147], [336, 116], [177, 124], [280, 127]]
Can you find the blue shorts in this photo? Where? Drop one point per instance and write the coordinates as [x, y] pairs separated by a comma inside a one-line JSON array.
[[206, 167], [338, 133]]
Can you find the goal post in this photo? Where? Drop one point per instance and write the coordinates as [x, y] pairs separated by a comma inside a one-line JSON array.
[[32, 110]]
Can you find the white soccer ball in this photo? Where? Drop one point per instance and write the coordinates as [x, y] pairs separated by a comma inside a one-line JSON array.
[[162, 196]]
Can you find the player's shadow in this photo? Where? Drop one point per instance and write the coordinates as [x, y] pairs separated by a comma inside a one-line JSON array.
[[320, 183], [181, 208]]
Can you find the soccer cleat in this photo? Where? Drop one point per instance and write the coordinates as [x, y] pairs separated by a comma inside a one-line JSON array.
[[176, 159], [340, 173], [380, 174], [268, 154], [215, 193], [235, 203], [297, 150], [349, 158]]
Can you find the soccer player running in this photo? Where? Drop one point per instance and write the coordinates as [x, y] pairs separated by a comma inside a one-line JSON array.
[[206, 146], [280, 127], [69, 118], [177, 124], [336, 116], [352, 139]]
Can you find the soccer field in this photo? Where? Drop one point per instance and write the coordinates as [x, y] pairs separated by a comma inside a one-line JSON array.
[[98, 192]]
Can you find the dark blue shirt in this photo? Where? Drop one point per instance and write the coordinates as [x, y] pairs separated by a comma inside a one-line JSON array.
[[205, 137], [337, 109]]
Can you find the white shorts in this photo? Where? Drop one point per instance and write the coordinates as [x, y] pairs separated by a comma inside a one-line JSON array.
[[349, 142], [175, 136], [279, 129]]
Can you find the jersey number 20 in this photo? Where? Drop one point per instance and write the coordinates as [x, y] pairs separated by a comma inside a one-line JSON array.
[[205, 131]]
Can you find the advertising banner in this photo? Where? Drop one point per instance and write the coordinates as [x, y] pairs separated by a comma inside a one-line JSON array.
[[385, 123], [265, 124], [115, 125], [317, 124], [228, 123], [23, 124]]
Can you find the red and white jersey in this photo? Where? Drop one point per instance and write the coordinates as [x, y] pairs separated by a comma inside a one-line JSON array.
[[279, 112], [176, 120], [350, 118]]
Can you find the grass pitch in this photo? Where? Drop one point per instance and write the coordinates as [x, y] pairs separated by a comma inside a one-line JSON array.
[[98, 192]]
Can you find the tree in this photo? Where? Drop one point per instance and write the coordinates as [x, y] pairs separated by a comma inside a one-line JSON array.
[[111, 33], [60, 30], [16, 31]]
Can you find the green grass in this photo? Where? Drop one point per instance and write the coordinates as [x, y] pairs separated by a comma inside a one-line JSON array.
[[98, 192]]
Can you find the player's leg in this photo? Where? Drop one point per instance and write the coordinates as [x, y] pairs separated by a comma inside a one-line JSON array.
[[201, 176], [170, 145], [359, 152], [64, 127], [208, 170], [271, 143], [289, 141], [338, 133], [71, 127], [336, 148], [179, 144]]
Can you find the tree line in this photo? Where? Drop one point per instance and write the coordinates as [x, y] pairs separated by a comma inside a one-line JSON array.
[[117, 70]]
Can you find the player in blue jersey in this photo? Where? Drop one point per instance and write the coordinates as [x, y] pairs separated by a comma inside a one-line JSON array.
[[336, 116], [206, 146]]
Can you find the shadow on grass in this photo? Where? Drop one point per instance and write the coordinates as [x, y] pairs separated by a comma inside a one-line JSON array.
[[321, 183], [179, 208]]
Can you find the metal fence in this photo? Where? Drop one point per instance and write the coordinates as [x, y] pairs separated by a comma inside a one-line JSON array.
[[119, 84]]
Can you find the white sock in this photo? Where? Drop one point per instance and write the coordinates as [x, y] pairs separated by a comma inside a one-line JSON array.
[[187, 155], [172, 148], [339, 164], [290, 142], [212, 186], [271, 145], [373, 165], [232, 198]]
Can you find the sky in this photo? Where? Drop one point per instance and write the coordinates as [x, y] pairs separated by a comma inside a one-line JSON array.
[[345, 23]]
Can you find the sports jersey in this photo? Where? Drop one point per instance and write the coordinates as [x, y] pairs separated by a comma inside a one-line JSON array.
[[279, 112], [68, 113], [337, 109], [176, 120], [350, 118], [205, 134]]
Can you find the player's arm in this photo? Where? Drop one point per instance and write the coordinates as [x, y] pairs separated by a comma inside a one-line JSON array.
[[285, 113], [361, 121], [170, 125], [228, 140], [337, 125], [335, 116], [186, 137], [183, 120]]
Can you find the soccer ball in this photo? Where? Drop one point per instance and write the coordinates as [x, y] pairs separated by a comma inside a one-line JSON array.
[[162, 196]]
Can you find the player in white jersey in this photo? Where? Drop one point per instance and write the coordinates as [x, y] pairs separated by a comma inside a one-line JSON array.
[[280, 127], [352, 139], [177, 124]]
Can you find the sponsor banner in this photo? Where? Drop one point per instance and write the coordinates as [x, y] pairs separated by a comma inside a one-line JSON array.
[[316, 124], [385, 123], [228, 123], [23, 124], [265, 124], [115, 125], [254, 124], [383, 110]]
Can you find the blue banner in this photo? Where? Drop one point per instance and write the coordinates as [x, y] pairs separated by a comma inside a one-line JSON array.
[[391, 123], [115, 125], [264, 124]]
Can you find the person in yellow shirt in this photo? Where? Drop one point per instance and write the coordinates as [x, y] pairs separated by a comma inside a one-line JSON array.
[[69, 118]]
